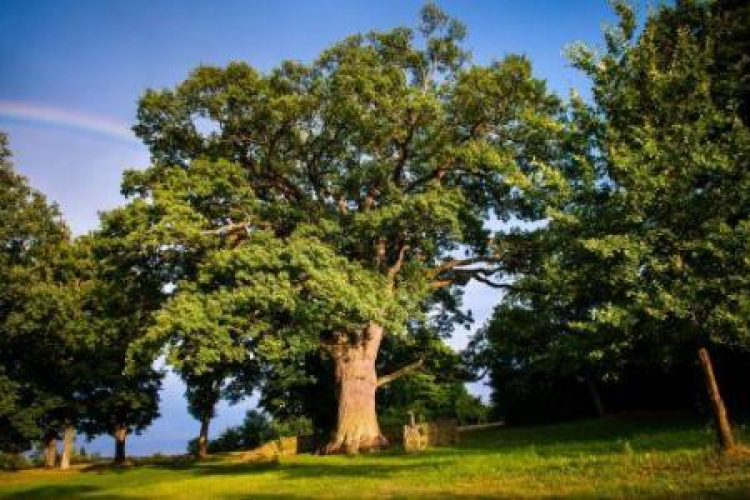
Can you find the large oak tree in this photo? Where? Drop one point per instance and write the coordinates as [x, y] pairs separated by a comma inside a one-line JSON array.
[[324, 205]]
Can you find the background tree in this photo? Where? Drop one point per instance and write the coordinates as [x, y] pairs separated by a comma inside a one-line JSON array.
[[123, 398], [363, 173], [676, 148], [213, 368], [433, 392], [46, 334], [204, 391], [651, 234]]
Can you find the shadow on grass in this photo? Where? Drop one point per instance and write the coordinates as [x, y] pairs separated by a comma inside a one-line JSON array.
[[321, 468], [58, 491], [590, 437], [430, 496], [599, 436]]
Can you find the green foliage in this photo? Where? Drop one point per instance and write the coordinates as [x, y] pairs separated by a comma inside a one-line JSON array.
[[429, 399], [674, 150], [255, 430], [13, 462], [324, 196], [46, 335], [124, 298], [436, 391], [645, 254]]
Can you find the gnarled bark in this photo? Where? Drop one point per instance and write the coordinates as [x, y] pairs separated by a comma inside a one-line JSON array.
[[67, 451], [357, 427], [120, 434], [723, 427]]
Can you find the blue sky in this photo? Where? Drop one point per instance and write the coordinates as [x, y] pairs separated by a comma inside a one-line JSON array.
[[71, 72]]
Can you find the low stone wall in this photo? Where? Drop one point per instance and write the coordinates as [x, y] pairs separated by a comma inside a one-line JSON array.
[[413, 437], [420, 436]]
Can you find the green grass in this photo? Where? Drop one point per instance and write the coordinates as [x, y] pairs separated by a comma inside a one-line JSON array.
[[643, 457]]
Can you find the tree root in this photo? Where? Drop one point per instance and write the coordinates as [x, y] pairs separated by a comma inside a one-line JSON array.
[[352, 445]]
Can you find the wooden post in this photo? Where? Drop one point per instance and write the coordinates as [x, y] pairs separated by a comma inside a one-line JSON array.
[[595, 397], [723, 427]]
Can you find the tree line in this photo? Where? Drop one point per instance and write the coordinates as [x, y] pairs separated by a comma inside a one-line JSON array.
[[308, 232]]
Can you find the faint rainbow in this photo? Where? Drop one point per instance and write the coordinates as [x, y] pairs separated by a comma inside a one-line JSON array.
[[67, 119]]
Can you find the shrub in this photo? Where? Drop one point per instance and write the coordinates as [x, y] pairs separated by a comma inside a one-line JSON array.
[[13, 461]]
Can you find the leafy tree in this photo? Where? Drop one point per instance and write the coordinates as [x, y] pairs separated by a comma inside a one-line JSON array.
[[46, 334], [255, 430], [326, 204], [669, 132], [436, 391], [31, 233], [210, 375], [122, 398], [644, 255], [203, 392]]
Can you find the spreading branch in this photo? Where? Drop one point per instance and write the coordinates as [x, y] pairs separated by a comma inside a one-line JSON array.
[[398, 172], [237, 228], [386, 379], [396, 267], [456, 271], [457, 263], [436, 174]]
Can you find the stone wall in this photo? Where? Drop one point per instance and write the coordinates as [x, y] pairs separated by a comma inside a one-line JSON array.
[[420, 436], [413, 437]]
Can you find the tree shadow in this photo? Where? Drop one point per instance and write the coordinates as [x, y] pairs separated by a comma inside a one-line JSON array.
[[58, 491], [431, 495], [593, 437], [322, 467]]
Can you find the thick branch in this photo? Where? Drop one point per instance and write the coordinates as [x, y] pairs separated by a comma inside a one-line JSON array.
[[490, 283], [237, 227], [455, 271], [386, 379], [436, 174], [396, 267], [380, 252], [439, 284], [454, 263], [398, 172]]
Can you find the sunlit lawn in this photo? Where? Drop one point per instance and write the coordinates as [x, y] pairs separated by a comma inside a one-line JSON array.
[[611, 458]]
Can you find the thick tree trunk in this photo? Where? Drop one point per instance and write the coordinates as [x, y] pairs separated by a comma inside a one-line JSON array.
[[357, 426], [120, 434], [203, 437], [67, 451], [595, 397], [50, 450], [723, 427]]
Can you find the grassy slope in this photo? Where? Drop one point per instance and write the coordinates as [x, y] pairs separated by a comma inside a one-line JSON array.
[[611, 458]]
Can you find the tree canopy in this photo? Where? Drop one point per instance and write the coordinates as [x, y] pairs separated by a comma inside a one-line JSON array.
[[645, 254]]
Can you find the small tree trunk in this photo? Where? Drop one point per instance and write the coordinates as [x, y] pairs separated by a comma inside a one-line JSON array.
[[203, 437], [120, 435], [67, 450], [357, 426], [723, 427], [595, 397], [50, 450]]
